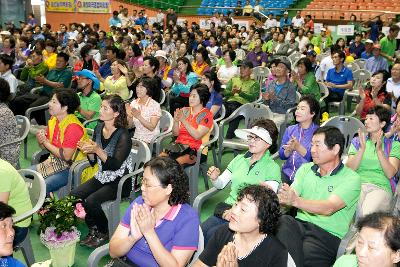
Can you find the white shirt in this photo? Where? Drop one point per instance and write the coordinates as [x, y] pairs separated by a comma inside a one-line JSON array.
[[12, 81], [302, 43], [393, 88], [298, 22], [269, 23], [225, 73], [160, 18], [325, 65]]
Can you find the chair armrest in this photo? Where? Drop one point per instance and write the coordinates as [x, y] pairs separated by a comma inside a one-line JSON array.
[[89, 121], [201, 198], [30, 110], [155, 139], [123, 180], [76, 171], [36, 89], [97, 255], [36, 156]]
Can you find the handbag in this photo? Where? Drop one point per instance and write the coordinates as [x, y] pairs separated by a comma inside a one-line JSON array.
[[51, 166]]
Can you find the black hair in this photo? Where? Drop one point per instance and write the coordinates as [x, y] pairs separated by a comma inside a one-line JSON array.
[[67, 98], [6, 211], [187, 62], [341, 55], [268, 209], [115, 13], [203, 53], [63, 55], [85, 50], [7, 60], [333, 136], [149, 84], [307, 63], [270, 126], [136, 50], [170, 172], [12, 41], [212, 77], [383, 114], [314, 106], [117, 104], [385, 222], [394, 28], [50, 43], [154, 63], [275, 62], [158, 43], [113, 49], [4, 91], [232, 54], [203, 91]]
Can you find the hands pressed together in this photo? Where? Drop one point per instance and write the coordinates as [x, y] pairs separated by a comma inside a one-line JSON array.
[[142, 221]]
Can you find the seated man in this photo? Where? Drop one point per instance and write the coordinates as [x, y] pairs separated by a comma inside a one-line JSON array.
[[6, 63], [14, 192], [34, 67], [239, 91], [111, 54], [59, 77], [257, 56], [326, 194], [90, 100], [280, 94], [376, 62], [338, 79]]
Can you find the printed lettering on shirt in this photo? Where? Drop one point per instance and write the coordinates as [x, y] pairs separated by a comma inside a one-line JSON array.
[[330, 188]]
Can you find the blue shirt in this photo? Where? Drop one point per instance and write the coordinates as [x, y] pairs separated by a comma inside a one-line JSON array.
[[374, 64], [141, 21], [357, 50], [285, 22], [11, 262], [365, 55], [179, 229], [114, 21], [342, 77], [215, 99]]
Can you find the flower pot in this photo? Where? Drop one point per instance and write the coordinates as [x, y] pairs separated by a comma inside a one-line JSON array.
[[63, 256], [62, 248]]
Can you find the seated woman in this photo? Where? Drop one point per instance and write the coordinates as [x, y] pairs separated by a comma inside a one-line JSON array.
[[110, 149], [377, 244], [8, 129], [228, 70], [192, 126], [184, 78], [200, 64], [376, 159], [374, 94], [214, 104], [305, 79], [254, 167], [296, 141], [144, 112], [7, 237], [159, 228], [116, 82], [64, 131], [248, 239]]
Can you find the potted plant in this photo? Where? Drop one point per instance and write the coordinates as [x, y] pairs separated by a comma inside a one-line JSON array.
[[58, 229]]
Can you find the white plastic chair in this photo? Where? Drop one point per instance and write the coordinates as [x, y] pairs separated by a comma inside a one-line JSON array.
[[166, 124]]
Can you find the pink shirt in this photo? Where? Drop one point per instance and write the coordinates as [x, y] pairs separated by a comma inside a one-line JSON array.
[[149, 110]]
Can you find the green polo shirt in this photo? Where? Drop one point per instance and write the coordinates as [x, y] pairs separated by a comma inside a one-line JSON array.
[[370, 169], [310, 86], [249, 90], [267, 47], [342, 182], [13, 183], [57, 75], [388, 46], [90, 102], [265, 169], [346, 261]]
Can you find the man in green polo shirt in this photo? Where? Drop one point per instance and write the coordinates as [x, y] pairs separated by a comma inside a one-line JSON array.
[[90, 100], [14, 192], [325, 193], [389, 43], [239, 91]]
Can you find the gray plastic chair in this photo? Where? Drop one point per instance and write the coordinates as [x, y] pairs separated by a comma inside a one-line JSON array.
[[396, 201], [324, 92], [251, 112], [23, 126], [352, 66], [361, 62], [166, 124], [100, 252], [260, 73], [163, 96], [37, 193], [348, 126]]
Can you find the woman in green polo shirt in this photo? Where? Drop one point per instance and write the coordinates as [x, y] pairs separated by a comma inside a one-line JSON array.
[[377, 243], [254, 167], [376, 159], [305, 79]]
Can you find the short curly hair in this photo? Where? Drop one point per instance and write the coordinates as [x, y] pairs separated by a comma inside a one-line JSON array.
[[67, 98], [267, 203], [169, 171]]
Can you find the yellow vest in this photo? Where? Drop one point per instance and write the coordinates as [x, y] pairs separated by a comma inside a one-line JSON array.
[[89, 172]]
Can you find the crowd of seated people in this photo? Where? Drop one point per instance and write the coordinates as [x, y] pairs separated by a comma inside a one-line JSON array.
[[117, 78]]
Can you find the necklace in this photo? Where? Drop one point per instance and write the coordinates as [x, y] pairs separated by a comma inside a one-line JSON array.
[[251, 250], [3, 262]]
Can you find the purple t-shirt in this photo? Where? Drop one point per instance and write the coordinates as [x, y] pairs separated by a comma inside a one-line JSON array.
[[178, 230]]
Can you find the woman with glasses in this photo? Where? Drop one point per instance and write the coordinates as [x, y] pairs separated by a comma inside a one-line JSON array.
[[159, 228], [254, 167]]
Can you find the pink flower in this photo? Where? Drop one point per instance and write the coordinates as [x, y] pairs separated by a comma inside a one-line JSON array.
[[80, 211]]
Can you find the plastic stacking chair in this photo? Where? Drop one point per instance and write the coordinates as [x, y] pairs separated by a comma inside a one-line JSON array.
[[348, 126], [166, 124], [260, 73], [100, 252], [37, 193]]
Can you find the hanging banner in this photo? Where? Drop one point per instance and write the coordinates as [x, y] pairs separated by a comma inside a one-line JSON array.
[[93, 6], [60, 5]]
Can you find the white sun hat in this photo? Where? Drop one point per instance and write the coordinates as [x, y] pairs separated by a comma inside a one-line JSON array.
[[256, 130]]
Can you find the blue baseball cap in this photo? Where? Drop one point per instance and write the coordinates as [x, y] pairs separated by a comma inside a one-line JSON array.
[[90, 75]]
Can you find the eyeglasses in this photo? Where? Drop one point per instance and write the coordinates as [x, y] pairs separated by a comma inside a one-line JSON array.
[[253, 138], [145, 184]]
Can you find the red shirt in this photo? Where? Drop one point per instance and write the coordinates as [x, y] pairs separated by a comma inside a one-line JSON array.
[[369, 102], [204, 117], [73, 133]]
